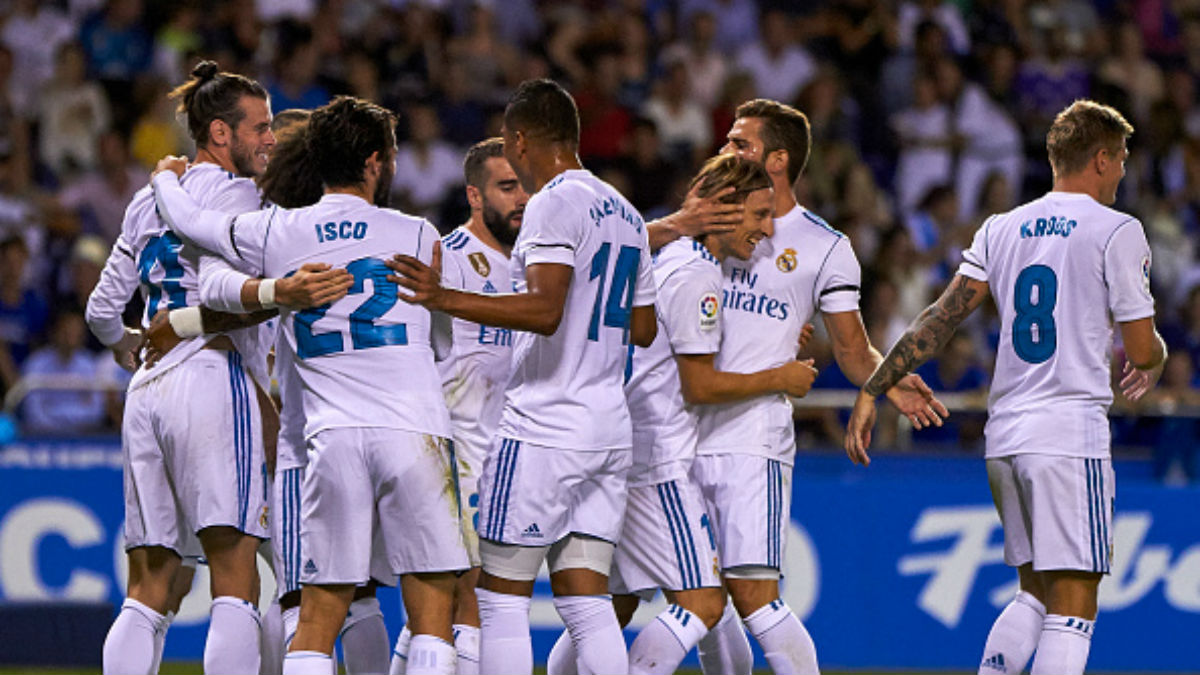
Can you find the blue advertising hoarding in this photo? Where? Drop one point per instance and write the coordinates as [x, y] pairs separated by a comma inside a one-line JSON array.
[[895, 566]]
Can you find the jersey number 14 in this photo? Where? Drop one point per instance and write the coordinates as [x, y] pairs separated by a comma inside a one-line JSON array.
[[620, 296]]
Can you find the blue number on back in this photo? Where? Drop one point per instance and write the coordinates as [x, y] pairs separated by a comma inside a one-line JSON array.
[[1035, 336], [162, 250], [364, 334], [620, 295]]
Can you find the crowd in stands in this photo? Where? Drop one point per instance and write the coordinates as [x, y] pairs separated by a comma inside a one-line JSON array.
[[927, 116]]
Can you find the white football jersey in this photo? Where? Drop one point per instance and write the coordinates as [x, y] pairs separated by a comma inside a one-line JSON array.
[[149, 254], [475, 373], [365, 360], [1061, 269], [805, 266], [688, 280], [566, 389]]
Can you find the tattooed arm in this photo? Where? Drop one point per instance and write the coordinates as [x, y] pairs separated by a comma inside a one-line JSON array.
[[924, 338]]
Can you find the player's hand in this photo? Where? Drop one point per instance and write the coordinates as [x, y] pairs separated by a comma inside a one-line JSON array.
[[806, 336], [424, 281], [126, 350], [796, 377], [313, 285], [707, 215], [1137, 382], [171, 163], [915, 400], [858, 430], [159, 338]]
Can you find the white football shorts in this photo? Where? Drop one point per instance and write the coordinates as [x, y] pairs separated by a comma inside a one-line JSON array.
[[372, 490], [748, 499], [1057, 511], [533, 495], [470, 459], [193, 447], [673, 512]]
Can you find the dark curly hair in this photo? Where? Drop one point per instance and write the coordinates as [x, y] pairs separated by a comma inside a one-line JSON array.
[[291, 178], [542, 109], [212, 95], [342, 134]]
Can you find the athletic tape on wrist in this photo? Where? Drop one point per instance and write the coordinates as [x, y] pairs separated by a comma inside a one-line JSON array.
[[266, 293], [186, 322]]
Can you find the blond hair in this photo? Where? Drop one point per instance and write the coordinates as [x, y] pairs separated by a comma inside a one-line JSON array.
[[729, 170], [1080, 131]]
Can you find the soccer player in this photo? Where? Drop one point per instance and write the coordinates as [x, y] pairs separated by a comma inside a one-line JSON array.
[[553, 484], [746, 448], [475, 258], [380, 475], [1065, 259], [192, 432]]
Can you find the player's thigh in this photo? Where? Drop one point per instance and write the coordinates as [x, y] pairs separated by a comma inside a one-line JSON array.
[[337, 510], [416, 487], [748, 499], [666, 541], [1070, 501], [212, 426]]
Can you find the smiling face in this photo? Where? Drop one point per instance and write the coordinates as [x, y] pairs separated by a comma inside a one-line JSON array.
[[757, 222], [745, 139], [252, 139]]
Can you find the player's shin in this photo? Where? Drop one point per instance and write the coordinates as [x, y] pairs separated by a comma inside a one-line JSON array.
[[725, 649], [1064, 646], [595, 632], [1014, 636], [662, 644], [364, 638]]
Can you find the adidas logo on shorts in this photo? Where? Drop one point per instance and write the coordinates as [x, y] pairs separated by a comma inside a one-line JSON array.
[[532, 531], [995, 662], [310, 567]]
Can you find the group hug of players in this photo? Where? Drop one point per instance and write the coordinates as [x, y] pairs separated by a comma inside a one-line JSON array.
[[536, 386]]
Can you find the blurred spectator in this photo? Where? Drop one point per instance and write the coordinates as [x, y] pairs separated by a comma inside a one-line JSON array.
[[34, 31], [1073, 21], [738, 87], [1048, 82], [427, 167], [490, 64], [779, 65], [464, 119], [72, 114], [737, 20], [683, 129], [942, 12], [1130, 70], [926, 140], [412, 60], [929, 225], [88, 256], [650, 176], [100, 196], [1182, 333], [118, 49], [863, 210], [14, 130], [1175, 448], [994, 23], [901, 69], [706, 67], [23, 311], [956, 369], [881, 312], [156, 133], [604, 123], [179, 37], [58, 411], [295, 85]]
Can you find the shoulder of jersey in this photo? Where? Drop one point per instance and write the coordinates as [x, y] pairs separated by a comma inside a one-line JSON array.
[[700, 251], [814, 223], [456, 240]]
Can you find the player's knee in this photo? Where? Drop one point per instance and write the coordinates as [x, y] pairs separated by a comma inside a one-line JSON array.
[[752, 587], [707, 606]]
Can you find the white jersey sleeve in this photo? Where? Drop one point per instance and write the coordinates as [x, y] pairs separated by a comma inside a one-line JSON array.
[[690, 308], [1127, 273], [118, 282], [644, 290], [554, 237], [838, 282], [221, 285]]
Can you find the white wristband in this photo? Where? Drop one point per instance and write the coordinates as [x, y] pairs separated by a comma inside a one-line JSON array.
[[266, 293], [186, 322]]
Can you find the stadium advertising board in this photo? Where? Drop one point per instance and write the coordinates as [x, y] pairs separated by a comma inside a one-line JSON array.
[[896, 566]]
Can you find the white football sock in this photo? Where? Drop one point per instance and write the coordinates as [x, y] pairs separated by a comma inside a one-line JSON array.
[[466, 644], [400, 652], [233, 638], [1063, 647], [160, 640], [595, 632], [270, 647], [786, 645], [662, 644], [725, 650], [364, 639], [430, 655], [129, 646], [307, 663], [504, 642], [563, 659], [1014, 636], [291, 621]]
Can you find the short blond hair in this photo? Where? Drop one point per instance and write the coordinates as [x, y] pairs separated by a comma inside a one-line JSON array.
[[728, 170], [1080, 131]]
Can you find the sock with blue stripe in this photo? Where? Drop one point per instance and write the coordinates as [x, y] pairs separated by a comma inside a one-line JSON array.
[[129, 646], [725, 649], [786, 645], [365, 648], [662, 644], [594, 630], [307, 663], [430, 655], [1064, 646], [400, 652], [234, 630], [1014, 636], [466, 644]]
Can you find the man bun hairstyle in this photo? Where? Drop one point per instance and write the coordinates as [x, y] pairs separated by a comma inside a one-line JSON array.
[[476, 160], [783, 128], [730, 171], [213, 95], [343, 133], [543, 110], [1080, 131]]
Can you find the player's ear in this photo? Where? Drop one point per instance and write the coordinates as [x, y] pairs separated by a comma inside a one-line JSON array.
[[372, 165], [219, 132], [474, 197], [776, 162]]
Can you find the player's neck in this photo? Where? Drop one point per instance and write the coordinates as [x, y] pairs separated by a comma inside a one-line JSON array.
[[785, 199], [551, 163], [359, 191], [1078, 184], [710, 243], [207, 155], [479, 230]]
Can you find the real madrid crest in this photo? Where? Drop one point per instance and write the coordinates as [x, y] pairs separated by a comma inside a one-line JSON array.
[[480, 263], [786, 262]]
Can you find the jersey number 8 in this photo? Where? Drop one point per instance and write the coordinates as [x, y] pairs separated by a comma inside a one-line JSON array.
[[1035, 336]]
